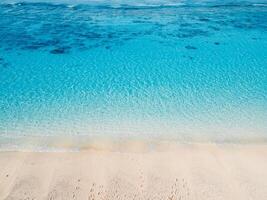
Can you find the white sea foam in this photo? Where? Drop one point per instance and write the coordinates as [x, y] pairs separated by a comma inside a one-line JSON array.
[[142, 3]]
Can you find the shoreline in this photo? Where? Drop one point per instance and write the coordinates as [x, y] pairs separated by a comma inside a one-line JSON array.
[[71, 143], [185, 171]]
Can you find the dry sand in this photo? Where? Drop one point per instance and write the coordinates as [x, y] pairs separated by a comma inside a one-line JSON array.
[[167, 172]]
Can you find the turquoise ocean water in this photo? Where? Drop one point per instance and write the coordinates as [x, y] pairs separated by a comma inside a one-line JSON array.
[[186, 70]]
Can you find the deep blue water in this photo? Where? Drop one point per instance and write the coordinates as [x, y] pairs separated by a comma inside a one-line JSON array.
[[190, 70]]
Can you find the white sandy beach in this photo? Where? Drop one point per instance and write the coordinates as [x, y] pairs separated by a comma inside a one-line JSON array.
[[171, 171]]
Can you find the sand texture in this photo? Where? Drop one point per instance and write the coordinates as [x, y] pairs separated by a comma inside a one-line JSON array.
[[170, 172]]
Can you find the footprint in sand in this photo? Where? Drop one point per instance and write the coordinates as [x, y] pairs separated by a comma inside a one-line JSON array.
[[27, 188], [65, 190], [96, 192], [179, 190]]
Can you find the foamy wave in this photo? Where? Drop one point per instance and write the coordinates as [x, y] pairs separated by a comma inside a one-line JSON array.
[[143, 3]]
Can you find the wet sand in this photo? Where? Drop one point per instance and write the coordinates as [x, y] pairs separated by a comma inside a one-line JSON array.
[[167, 172]]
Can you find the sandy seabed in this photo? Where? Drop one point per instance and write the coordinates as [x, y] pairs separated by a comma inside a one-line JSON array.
[[168, 172]]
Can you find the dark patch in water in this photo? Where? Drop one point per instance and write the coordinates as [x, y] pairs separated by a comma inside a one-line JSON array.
[[138, 21], [214, 28], [111, 35], [3, 63], [204, 20], [190, 47], [191, 32], [189, 57], [127, 38], [59, 51], [217, 43], [185, 25], [48, 27]]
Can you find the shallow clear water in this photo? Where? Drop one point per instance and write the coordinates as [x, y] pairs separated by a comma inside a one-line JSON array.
[[185, 70]]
